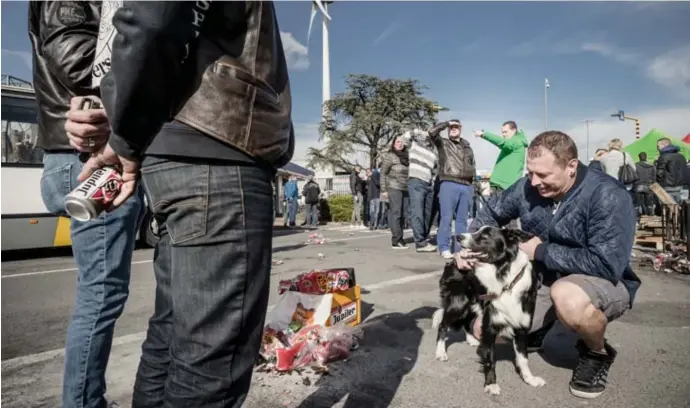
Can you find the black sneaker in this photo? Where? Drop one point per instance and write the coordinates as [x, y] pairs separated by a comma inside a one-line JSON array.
[[591, 372], [535, 340], [400, 245]]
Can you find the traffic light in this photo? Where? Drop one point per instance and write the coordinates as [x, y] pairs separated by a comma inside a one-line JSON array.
[[637, 129]]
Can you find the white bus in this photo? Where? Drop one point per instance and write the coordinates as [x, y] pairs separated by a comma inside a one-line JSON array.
[[26, 222]]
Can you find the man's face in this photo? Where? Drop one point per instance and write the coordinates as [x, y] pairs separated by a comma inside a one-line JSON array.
[[548, 177], [454, 131], [660, 145], [368, 172], [358, 169], [507, 132]]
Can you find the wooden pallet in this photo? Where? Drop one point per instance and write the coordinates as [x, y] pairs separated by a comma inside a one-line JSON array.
[[656, 242]]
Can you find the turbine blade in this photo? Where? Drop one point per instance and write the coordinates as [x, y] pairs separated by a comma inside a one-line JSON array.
[[311, 21], [322, 8]]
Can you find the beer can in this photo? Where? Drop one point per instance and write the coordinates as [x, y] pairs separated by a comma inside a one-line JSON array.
[[93, 195]]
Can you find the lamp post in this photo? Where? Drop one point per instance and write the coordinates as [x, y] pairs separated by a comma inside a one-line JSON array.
[[546, 104], [587, 122]]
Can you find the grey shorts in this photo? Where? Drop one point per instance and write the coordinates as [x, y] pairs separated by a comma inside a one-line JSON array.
[[612, 300]]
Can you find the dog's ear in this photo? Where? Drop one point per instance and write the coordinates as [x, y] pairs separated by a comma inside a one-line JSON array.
[[512, 234]]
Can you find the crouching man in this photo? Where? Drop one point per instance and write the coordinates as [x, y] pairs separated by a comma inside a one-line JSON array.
[[584, 226]]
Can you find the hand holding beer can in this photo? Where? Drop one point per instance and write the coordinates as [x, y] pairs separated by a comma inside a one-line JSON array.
[[93, 195]]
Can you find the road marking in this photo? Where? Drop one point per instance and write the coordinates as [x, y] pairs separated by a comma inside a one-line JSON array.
[[20, 275], [17, 362]]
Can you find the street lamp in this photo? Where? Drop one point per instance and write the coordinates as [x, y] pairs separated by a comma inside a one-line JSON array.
[[587, 122], [622, 117], [546, 104]]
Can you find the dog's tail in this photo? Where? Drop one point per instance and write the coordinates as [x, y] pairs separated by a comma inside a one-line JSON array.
[[437, 318]]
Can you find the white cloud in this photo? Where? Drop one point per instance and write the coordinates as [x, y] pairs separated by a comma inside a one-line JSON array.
[[672, 69], [23, 56], [295, 52]]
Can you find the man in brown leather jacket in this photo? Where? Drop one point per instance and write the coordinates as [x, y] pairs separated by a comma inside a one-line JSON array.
[[457, 172], [198, 99]]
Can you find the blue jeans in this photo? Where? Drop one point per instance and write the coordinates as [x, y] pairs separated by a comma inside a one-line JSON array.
[[292, 208], [212, 267], [374, 212], [311, 214], [102, 250], [454, 199], [421, 201]]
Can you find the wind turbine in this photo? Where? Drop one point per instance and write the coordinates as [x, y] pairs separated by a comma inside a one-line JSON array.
[[325, 58]]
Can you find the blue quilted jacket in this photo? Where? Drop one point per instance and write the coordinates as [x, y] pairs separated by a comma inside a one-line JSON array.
[[591, 233]]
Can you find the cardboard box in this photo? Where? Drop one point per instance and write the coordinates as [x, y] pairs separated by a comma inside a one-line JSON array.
[[346, 307]]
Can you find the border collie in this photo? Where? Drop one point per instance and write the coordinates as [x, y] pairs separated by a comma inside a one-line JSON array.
[[501, 289]]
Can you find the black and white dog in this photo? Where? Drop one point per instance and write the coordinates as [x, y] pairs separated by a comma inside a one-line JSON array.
[[501, 289]]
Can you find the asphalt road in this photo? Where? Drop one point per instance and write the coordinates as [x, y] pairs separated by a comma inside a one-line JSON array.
[[394, 366]]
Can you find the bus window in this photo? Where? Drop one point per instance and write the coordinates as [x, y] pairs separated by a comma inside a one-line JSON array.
[[20, 131]]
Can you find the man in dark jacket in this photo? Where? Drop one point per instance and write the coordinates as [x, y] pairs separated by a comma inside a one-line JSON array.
[[64, 39], [456, 172], [374, 197], [670, 169], [205, 112], [311, 192], [357, 190], [646, 176], [584, 227]]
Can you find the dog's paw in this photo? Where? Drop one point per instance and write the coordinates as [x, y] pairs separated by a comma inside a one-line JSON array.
[[535, 381], [441, 355], [437, 318], [492, 389], [471, 340]]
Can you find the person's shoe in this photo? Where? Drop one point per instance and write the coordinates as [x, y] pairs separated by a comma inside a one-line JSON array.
[[427, 248], [535, 340], [592, 370], [400, 245], [447, 255]]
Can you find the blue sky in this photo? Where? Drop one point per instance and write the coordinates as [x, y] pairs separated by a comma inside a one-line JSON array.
[[486, 62]]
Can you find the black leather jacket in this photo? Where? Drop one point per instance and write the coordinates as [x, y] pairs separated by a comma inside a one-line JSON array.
[[217, 66], [63, 36], [455, 157]]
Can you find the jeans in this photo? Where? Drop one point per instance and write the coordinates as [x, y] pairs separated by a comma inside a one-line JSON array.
[[102, 250], [212, 267], [357, 208], [455, 201], [396, 214], [421, 201], [311, 214], [644, 201], [292, 208], [374, 212]]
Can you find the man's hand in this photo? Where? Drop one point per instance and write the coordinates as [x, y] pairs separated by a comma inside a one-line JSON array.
[[384, 196], [465, 259], [478, 133], [107, 157], [87, 130], [530, 247]]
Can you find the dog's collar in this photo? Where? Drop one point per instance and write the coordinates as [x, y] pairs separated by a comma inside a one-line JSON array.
[[493, 296]]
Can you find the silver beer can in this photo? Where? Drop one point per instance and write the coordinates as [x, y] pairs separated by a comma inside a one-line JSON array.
[[94, 194]]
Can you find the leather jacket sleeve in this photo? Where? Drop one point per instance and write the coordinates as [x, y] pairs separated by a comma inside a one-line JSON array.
[[148, 53], [67, 45]]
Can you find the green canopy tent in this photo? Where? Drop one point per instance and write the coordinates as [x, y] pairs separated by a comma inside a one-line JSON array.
[[647, 144]]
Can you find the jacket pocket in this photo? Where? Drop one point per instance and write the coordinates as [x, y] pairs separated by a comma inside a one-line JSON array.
[[238, 108]]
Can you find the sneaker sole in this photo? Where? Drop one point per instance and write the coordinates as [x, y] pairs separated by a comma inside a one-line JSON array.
[[584, 394]]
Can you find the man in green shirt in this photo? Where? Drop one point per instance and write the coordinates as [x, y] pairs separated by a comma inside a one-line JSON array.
[[510, 164]]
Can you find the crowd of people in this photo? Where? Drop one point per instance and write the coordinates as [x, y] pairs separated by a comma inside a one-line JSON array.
[[207, 172], [671, 171]]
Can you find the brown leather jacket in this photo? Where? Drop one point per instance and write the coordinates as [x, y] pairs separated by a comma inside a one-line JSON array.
[[219, 67]]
